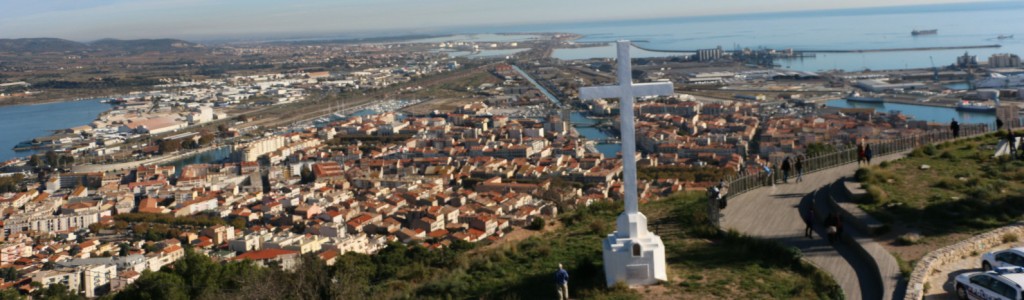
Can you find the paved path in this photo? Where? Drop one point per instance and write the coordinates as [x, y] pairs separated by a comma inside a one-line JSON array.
[[773, 213]]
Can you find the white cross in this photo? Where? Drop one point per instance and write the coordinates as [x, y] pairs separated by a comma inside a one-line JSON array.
[[626, 91]]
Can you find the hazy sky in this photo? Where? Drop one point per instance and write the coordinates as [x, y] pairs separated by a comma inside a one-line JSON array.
[[86, 20]]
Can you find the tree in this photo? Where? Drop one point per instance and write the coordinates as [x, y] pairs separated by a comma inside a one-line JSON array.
[[35, 161], [56, 292], [51, 158], [238, 223], [170, 146], [156, 285], [124, 249], [817, 149], [306, 174], [537, 224], [206, 138], [11, 294], [9, 274]]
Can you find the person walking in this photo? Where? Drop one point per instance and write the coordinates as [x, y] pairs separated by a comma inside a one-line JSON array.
[[799, 169], [860, 153], [1011, 139], [562, 283], [955, 127], [785, 170], [867, 153], [809, 221]]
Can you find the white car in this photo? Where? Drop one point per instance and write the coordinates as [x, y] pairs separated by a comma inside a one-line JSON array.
[[1001, 284], [1006, 258]]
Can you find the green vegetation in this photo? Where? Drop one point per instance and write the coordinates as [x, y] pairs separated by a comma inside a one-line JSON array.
[[730, 265], [155, 227], [964, 191], [816, 149], [10, 184], [197, 220], [684, 173], [702, 261]]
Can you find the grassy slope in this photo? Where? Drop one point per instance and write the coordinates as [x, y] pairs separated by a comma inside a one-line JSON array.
[[702, 264], [965, 191]]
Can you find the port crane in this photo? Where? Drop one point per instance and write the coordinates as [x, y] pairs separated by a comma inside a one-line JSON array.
[[935, 71]]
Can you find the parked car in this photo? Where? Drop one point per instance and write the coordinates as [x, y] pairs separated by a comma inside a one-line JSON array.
[[1013, 257], [1001, 283]]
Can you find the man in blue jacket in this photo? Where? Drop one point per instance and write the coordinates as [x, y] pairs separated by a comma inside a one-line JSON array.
[[562, 283]]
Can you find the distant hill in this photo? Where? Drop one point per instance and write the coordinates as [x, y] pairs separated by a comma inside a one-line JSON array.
[[39, 45], [143, 44]]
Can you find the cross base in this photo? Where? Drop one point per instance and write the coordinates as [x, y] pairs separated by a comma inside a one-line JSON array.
[[634, 259]]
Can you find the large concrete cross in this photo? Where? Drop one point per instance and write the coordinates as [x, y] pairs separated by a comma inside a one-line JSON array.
[[627, 91]]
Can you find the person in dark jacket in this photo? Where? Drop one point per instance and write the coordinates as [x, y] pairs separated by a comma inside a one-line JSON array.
[[867, 153], [799, 169], [955, 127], [785, 170], [860, 153]]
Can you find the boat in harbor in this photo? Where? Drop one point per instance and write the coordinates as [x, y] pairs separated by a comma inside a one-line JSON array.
[[855, 97], [924, 32], [974, 107]]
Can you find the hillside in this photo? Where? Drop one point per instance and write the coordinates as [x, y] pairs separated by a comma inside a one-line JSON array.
[[40, 45], [142, 45], [702, 264], [43, 45], [963, 191]]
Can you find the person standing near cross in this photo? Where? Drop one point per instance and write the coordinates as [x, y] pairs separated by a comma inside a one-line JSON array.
[[632, 254]]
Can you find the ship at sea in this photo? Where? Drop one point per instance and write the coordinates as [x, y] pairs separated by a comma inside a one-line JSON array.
[[924, 32], [1003, 37], [855, 97], [974, 107]]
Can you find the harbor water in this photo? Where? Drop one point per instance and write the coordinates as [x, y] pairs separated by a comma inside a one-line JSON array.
[[935, 114], [19, 123], [960, 24]]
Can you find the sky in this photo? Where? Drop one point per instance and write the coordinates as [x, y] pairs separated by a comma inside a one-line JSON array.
[[88, 20]]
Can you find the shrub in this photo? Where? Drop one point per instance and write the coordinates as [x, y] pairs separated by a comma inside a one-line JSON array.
[[909, 239], [884, 164], [946, 155], [876, 194], [537, 224], [1010, 238], [949, 184], [930, 150]]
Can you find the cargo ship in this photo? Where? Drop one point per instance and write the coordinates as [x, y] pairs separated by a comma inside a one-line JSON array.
[[855, 97], [1003, 37], [925, 32], [974, 107]]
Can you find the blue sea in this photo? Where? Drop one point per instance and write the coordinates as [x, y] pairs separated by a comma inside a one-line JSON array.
[[20, 123], [960, 24]]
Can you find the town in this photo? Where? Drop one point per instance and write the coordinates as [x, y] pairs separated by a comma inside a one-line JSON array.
[[418, 146]]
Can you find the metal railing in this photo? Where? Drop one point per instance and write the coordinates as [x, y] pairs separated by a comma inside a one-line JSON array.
[[742, 183]]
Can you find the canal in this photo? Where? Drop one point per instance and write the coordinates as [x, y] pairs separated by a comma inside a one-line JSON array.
[[586, 128]]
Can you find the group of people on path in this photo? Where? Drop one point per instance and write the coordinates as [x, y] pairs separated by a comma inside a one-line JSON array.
[[864, 154], [833, 225], [798, 166]]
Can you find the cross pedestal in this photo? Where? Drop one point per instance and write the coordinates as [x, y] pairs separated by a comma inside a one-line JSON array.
[[632, 254]]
